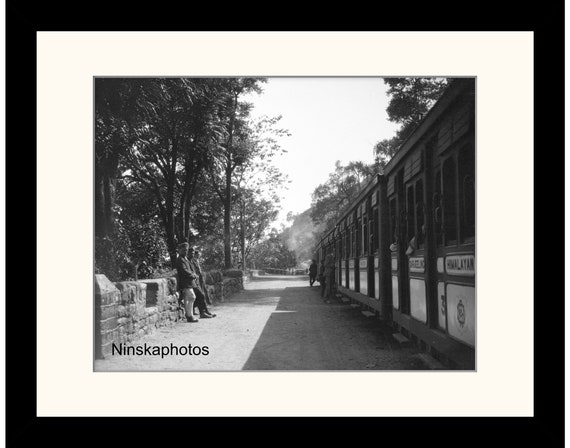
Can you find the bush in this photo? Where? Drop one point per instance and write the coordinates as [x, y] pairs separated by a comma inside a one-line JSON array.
[[233, 273]]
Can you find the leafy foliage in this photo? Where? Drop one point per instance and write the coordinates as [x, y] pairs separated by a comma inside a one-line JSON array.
[[273, 253], [342, 187], [411, 99], [170, 155]]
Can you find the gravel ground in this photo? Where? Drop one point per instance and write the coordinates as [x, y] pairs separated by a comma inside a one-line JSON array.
[[276, 323]]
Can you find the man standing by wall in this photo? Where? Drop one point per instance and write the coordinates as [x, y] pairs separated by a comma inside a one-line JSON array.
[[187, 279], [200, 296], [202, 280]]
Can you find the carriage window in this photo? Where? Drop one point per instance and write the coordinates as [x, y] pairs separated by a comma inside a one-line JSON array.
[[352, 241], [374, 232], [467, 193], [358, 237], [420, 234], [393, 221], [364, 235], [437, 209], [449, 203], [410, 216]]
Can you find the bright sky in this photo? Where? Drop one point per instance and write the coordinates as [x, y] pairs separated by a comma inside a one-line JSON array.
[[329, 119]]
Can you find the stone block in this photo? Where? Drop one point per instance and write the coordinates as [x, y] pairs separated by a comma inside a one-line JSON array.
[[128, 292], [156, 290], [172, 285], [219, 291], [103, 285], [109, 336], [109, 324], [134, 298], [151, 311], [123, 311], [104, 351], [140, 295], [107, 298], [106, 311]]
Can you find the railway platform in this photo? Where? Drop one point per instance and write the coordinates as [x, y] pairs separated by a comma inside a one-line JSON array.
[[276, 323]]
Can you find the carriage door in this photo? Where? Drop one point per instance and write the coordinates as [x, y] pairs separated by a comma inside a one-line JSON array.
[[399, 243], [454, 224], [374, 240], [415, 251], [363, 262]]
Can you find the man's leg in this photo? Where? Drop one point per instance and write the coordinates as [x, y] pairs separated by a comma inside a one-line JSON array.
[[201, 303], [208, 300], [188, 298]]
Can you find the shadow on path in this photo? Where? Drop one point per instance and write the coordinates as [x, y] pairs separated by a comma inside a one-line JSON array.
[[304, 333]]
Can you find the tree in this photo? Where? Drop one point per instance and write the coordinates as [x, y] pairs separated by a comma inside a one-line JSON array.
[[140, 232], [115, 111], [233, 149], [176, 130], [252, 216], [273, 253], [341, 189], [244, 159], [170, 154], [411, 99]]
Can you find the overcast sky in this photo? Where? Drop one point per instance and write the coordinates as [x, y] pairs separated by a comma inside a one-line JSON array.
[[329, 119]]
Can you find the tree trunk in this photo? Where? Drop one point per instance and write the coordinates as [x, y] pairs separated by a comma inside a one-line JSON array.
[[109, 201], [105, 178], [100, 229], [171, 240], [242, 238], [227, 221], [171, 245], [186, 217]]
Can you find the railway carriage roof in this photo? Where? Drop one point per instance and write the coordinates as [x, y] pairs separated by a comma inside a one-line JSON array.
[[455, 88], [350, 208]]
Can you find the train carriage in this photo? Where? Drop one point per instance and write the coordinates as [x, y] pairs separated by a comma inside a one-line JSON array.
[[406, 246], [431, 201], [361, 252]]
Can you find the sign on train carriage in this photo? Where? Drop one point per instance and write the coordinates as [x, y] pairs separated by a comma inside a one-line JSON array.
[[460, 265]]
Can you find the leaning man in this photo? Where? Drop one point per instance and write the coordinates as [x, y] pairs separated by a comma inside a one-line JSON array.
[[187, 279], [200, 296]]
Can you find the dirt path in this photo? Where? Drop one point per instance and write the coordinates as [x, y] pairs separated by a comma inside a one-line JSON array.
[[277, 323]]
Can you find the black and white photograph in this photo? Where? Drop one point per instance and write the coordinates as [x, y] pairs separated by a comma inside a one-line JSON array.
[[288, 224], [317, 223]]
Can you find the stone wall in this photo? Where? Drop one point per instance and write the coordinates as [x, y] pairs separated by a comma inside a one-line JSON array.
[[126, 311]]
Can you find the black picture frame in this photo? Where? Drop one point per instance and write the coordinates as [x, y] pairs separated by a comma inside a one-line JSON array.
[[24, 427]]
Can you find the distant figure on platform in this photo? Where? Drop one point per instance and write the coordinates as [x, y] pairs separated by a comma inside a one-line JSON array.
[[321, 277], [313, 272], [329, 277]]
